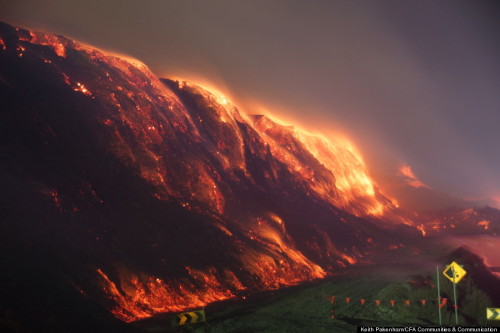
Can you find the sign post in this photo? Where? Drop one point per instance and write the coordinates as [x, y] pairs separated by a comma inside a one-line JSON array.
[[439, 294], [455, 295], [454, 272]]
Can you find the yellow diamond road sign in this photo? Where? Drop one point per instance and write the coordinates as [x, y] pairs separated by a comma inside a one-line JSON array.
[[454, 272], [493, 314]]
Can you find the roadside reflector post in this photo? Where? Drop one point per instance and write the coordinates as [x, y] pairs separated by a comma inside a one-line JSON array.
[[439, 294]]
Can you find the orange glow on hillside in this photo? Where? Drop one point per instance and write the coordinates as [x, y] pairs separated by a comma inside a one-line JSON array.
[[217, 90], [139, 297], [275, 238], [496, 201], [151, 128], [348, 184], [56, 42], [485, 224], [421, 228]]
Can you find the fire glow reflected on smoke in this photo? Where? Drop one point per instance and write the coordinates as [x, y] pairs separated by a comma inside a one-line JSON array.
[[407, 174], [486, 246]]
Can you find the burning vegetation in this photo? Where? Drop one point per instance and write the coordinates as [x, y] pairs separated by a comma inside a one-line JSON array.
[[195, 201], [279, 205], [472, 221]]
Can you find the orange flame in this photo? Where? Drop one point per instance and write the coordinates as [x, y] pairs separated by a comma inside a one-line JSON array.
[[421, 228], [409, 177], [142, 297], [346, 183]]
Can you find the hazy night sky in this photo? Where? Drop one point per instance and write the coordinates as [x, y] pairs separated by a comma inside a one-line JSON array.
[[410, 82]]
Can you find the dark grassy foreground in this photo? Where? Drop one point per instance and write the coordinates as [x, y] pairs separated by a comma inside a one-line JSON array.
[[308, 309]]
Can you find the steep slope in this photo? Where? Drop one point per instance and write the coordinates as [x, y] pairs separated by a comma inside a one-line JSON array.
[[153, 196]]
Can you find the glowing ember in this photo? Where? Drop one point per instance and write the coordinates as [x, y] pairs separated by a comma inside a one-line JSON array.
[[55, 197], [455, 220], [60, 50], [485, 224], [81, 88], [20, 49], [349, 259]]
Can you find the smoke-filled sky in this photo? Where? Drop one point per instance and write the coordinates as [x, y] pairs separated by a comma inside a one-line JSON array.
[[410, 82]]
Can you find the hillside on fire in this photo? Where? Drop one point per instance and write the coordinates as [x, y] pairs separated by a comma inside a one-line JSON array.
[[126, 196]]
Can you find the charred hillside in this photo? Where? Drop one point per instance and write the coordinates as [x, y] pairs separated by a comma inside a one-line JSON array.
[[146, 196]]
